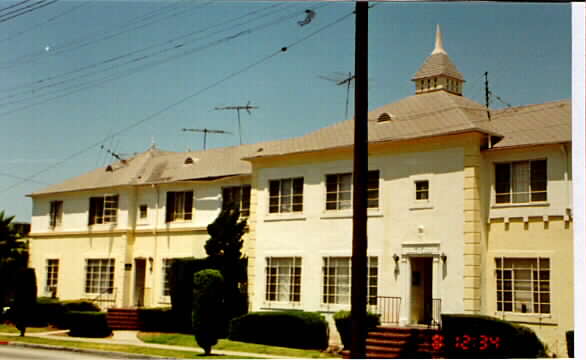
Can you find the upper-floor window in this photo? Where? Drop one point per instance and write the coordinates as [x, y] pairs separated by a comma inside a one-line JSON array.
[[521, 181], [523, 285], [422, 190], [56, 213], [286, 195], [237, 196], [339, 190], [179, 205], [143, 211], [103, 209]]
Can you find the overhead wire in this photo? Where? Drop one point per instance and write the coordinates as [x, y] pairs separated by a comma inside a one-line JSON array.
[[181, 101], [41, 4]]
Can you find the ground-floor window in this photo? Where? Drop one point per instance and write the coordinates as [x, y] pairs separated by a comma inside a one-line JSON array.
[[523, 285], [52, 271], [99, 276], [283, 279], [166, 275], [336, 277]]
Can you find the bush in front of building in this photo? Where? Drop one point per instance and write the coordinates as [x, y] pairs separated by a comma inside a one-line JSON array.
[[25, 299], [294, 329], [157, 319], [47, 311], [343, 322], [209, 313], [514, 341], [87, 324], [80, 305]]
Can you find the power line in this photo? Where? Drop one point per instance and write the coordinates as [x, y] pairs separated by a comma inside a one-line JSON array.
[[181, 101], [41, 4], [14, 5]]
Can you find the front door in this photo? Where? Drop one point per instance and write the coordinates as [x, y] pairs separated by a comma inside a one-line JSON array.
[[421, 290], [139, 274]]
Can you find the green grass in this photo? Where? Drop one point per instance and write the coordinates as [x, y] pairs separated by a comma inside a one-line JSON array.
[[118, 348], [228, 345], [11, 329]]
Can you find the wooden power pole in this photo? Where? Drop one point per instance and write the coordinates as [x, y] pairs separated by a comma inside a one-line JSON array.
[[359, 241]]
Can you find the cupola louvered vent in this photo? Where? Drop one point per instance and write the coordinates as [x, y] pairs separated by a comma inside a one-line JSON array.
[[384, 117]]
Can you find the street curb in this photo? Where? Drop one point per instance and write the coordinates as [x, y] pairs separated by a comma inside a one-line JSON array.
[[112, 354]]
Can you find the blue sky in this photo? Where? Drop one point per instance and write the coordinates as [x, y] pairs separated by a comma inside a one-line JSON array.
[[76, 75]]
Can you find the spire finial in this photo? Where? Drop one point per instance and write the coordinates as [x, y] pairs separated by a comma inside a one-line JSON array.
[[439, 44]]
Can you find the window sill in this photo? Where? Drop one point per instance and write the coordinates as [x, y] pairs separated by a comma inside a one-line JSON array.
[[285, 217], [421, 206], [277, 305], [520, 205], [347, 214], [544, 319]]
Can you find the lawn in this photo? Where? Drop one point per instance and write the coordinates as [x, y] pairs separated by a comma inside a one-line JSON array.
[[228, 345], [11, 329], [117, 348]]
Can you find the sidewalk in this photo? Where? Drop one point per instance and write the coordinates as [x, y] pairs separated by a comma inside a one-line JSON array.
[[126, 337]]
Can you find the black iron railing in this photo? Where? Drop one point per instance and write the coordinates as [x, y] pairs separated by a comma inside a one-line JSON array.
[[388, 307], [105, 299]]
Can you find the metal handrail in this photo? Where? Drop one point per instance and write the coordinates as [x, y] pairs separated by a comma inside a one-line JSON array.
[[103, 302], [388, 307]]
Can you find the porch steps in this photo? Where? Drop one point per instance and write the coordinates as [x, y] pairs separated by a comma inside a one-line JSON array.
[[396, 343], [123, 319]]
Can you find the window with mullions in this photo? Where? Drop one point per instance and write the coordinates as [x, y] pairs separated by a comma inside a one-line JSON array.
[[521, 182], [56, 213], [523, 285], [422, 190], [339, 190], [52, 271], [238, 196], [283, 279], [103, 209], [166, 274], [179, 206], [286, 195], [99, 276], [336, 277]]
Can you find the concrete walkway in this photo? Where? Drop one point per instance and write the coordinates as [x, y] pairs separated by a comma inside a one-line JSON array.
[[128, 337]]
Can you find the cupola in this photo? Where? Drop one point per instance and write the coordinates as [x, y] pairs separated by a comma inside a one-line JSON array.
[[438, 73]]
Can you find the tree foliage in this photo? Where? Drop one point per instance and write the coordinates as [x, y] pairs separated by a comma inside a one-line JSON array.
[[13, 257], [208, 308], [25, 298]]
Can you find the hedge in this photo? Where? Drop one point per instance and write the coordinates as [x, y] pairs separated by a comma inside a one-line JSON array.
[[87, 324], [47, 311], [294, 329], [157, 319], [570, 343], [344, 325], [516, 341]]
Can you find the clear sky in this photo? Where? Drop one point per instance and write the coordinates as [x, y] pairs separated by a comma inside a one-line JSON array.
[[76, 75]]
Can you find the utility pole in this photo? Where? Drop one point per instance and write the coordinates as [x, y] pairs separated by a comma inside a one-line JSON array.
[[206, 132], [246, 107], [359, 241], [486, 94]]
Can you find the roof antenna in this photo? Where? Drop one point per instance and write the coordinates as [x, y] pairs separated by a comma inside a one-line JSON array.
[[114, 154], [246, 107], [206, 132]]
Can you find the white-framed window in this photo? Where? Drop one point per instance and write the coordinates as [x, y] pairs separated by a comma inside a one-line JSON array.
[[99, 276], [339, 190], [286, 195], [521, 182], [237, 196], [56, 213], [179, 206], [336, 280], [523, 285], [52, 276], [283, 279], [103, 209], [422, 190], [166, 277]]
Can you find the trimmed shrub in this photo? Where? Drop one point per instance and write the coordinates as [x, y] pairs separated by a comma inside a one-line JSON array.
[[209, 322], [80, 305], [157, 319], [570, 343], [47, 311], [25, 299], [87, 324], [344, 325], [294, 329], [516, 341]]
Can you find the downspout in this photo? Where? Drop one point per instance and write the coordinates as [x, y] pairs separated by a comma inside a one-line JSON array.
[[567, 184]]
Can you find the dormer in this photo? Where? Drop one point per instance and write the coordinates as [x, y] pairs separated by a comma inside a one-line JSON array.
[[438, 73]]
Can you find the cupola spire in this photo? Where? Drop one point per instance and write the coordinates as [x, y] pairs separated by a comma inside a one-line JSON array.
[[439, 43]]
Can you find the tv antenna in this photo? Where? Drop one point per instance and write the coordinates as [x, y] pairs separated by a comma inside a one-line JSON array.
[[246, 107], [116, 155], [206, 132], [340, 79]]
